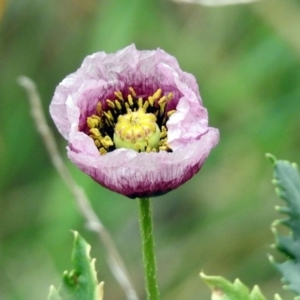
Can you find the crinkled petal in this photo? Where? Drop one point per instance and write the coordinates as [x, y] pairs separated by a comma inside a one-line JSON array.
[[126, 171], [144, 70]]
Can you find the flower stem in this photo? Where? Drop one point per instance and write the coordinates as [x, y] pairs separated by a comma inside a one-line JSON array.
[[146, 227]]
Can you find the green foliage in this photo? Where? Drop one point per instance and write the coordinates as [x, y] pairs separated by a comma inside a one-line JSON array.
[[248, 72], [287, 182], [223, 289], [53, 294], [80, 283]]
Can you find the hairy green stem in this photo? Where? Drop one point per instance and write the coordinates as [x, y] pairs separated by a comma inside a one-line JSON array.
[[146, 227]]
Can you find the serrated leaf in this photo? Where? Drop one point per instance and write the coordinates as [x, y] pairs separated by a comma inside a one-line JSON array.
[[287, 187], [223, 289], [80, 283], [53, 294]]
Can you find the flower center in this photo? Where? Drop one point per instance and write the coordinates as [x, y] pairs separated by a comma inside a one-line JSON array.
[[138, 131], [137, 123]]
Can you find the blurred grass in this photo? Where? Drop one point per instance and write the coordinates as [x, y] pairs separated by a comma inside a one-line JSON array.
[[246, 60]]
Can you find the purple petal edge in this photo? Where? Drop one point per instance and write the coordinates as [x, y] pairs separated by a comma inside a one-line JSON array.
[[146, 174]]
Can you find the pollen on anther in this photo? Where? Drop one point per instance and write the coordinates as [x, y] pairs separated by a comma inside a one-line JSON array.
[[95, 132], [93, 121], [109, 114], [106, 142], [163, 134], [132, 91], [118, 105], [140, 102], [170, 96], [151, 100], [171, 112], [157, 94], [110, 103], [102, 151], [163, 148], [99, 108], [130, 100], [145, 105], [162, 108], [162, 100], [119, 95]]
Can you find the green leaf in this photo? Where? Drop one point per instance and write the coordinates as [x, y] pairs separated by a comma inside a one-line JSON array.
[[80, 283], [223, 289], [287, 182], [53, 294]]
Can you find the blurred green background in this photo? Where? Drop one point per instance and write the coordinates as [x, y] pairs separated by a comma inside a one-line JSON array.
[[246, 59]]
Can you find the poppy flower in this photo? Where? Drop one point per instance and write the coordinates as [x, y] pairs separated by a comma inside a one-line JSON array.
[[134, 121]]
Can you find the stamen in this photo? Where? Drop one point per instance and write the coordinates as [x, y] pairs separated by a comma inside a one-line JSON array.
[[163, 134], [145, 105], [138, 121], [107, 142], [95, 133], [138, 147], [162, 100], [162, 109], [93, 121], [118, 105], [171, 112], [97, 143], [157, 94], [132, 91], [119, 95], [162, 142], [109, 115], [99, 108], [163, 148], [130, 100], [170, 96], [108, 122], [140, 102], [151, 100], [110, 103], [102, 151]]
